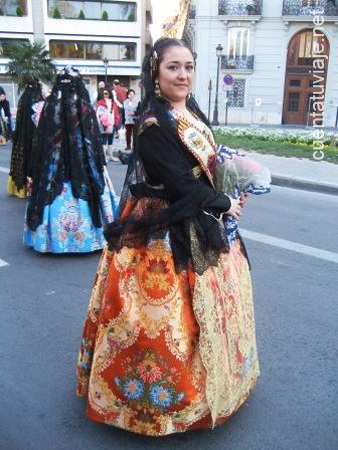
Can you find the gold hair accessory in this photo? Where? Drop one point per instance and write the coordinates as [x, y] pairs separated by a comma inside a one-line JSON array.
[[153, 64]]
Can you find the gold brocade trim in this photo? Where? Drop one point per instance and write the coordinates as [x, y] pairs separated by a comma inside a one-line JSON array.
[[227, 345], [197, 171], [148, 122]]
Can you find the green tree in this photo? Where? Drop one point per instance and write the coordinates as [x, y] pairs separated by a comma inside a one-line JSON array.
[[104, 15], [81, 15], [29, 61]]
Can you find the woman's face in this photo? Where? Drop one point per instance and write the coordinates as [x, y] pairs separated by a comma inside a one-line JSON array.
[[176, 72], [131, 95], [106, 94]]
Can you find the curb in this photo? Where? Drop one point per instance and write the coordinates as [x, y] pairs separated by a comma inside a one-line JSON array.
[[306, 185]]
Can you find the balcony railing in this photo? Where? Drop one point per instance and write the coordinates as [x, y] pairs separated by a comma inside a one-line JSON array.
[[240, 7], [237, 62], [309, 8]]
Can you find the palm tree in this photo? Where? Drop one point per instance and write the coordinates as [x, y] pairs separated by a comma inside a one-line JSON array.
[[29, 61]]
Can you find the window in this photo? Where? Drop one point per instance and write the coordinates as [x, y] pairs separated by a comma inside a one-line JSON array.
[[74, 9], [13, 8], [5, 45], [119, 51], [295, 83], [293, 102], [309, 2], [236, 96], [238, 42], [307, 41], [310, 103]]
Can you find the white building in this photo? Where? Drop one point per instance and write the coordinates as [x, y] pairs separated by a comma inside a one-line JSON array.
[[102, 39], [277, 55]]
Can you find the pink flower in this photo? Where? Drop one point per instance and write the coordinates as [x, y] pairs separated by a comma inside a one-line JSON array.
[[148, 371]]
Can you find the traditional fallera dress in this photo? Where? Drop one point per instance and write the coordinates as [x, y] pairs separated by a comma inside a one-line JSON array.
[[169, 339], [72, 196], [30, 101]]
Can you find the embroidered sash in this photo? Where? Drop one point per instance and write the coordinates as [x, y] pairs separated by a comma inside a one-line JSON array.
[[200, 143]]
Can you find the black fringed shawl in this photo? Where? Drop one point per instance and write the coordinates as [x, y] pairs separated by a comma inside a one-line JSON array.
[[196, 238], [25, 130]]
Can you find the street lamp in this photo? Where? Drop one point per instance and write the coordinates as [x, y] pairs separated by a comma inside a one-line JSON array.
[[105, 62], [209, 98], [219, 50]]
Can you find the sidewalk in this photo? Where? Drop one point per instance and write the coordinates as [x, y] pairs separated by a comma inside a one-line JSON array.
[[319, 176]]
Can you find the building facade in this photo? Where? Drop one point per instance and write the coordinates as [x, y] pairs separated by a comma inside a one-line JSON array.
[[277, 63], [104, 40]]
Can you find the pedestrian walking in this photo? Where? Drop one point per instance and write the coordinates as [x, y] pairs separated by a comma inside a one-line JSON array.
[[108, 117], [119, 94], [130, 107], [29, 107], [5, 115], [72, 197], [169, 339]]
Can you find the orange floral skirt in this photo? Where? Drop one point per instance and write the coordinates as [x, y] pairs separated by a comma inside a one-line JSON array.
[[164, 352]]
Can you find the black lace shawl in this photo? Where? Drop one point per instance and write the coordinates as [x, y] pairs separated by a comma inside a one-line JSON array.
[[67, 148], [196, 239], [25, 130]]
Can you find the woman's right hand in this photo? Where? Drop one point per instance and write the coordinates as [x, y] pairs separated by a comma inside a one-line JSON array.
[[236, 208]]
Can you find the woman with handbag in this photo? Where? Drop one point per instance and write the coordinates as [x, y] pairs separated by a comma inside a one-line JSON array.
[[108, 117]]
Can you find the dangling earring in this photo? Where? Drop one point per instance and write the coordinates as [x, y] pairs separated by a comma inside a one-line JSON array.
[[157, 89], [188, 96]]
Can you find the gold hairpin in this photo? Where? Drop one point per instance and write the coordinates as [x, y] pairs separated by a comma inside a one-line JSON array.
[[153, 63]]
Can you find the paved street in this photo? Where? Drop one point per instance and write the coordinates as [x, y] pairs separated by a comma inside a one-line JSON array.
[[292, 240]]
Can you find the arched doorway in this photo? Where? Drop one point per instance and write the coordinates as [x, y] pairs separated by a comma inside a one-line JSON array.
[[306, 71]]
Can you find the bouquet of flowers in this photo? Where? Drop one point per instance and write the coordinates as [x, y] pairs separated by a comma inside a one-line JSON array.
[[236, 174]]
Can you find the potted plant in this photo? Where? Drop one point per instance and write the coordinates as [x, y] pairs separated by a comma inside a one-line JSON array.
[[250, 9], [104, 15], [56, 14], [19, 11], [81, 15]]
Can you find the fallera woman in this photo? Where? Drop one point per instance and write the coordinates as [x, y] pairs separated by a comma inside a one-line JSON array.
[[29, 106], [71, 196], [169, 339]]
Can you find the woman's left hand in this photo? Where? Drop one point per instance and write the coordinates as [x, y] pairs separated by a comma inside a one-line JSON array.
[[243, 199]]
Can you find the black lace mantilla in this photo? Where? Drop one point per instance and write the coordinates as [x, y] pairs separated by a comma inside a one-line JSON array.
[[67, 148]]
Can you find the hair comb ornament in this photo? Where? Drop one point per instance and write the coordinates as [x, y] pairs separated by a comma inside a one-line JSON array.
[[153, 63]]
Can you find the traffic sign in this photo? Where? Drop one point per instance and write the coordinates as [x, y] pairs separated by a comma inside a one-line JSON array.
[[228, 79]]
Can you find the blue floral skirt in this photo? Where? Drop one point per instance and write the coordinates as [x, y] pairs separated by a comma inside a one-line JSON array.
[[67, 225]]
